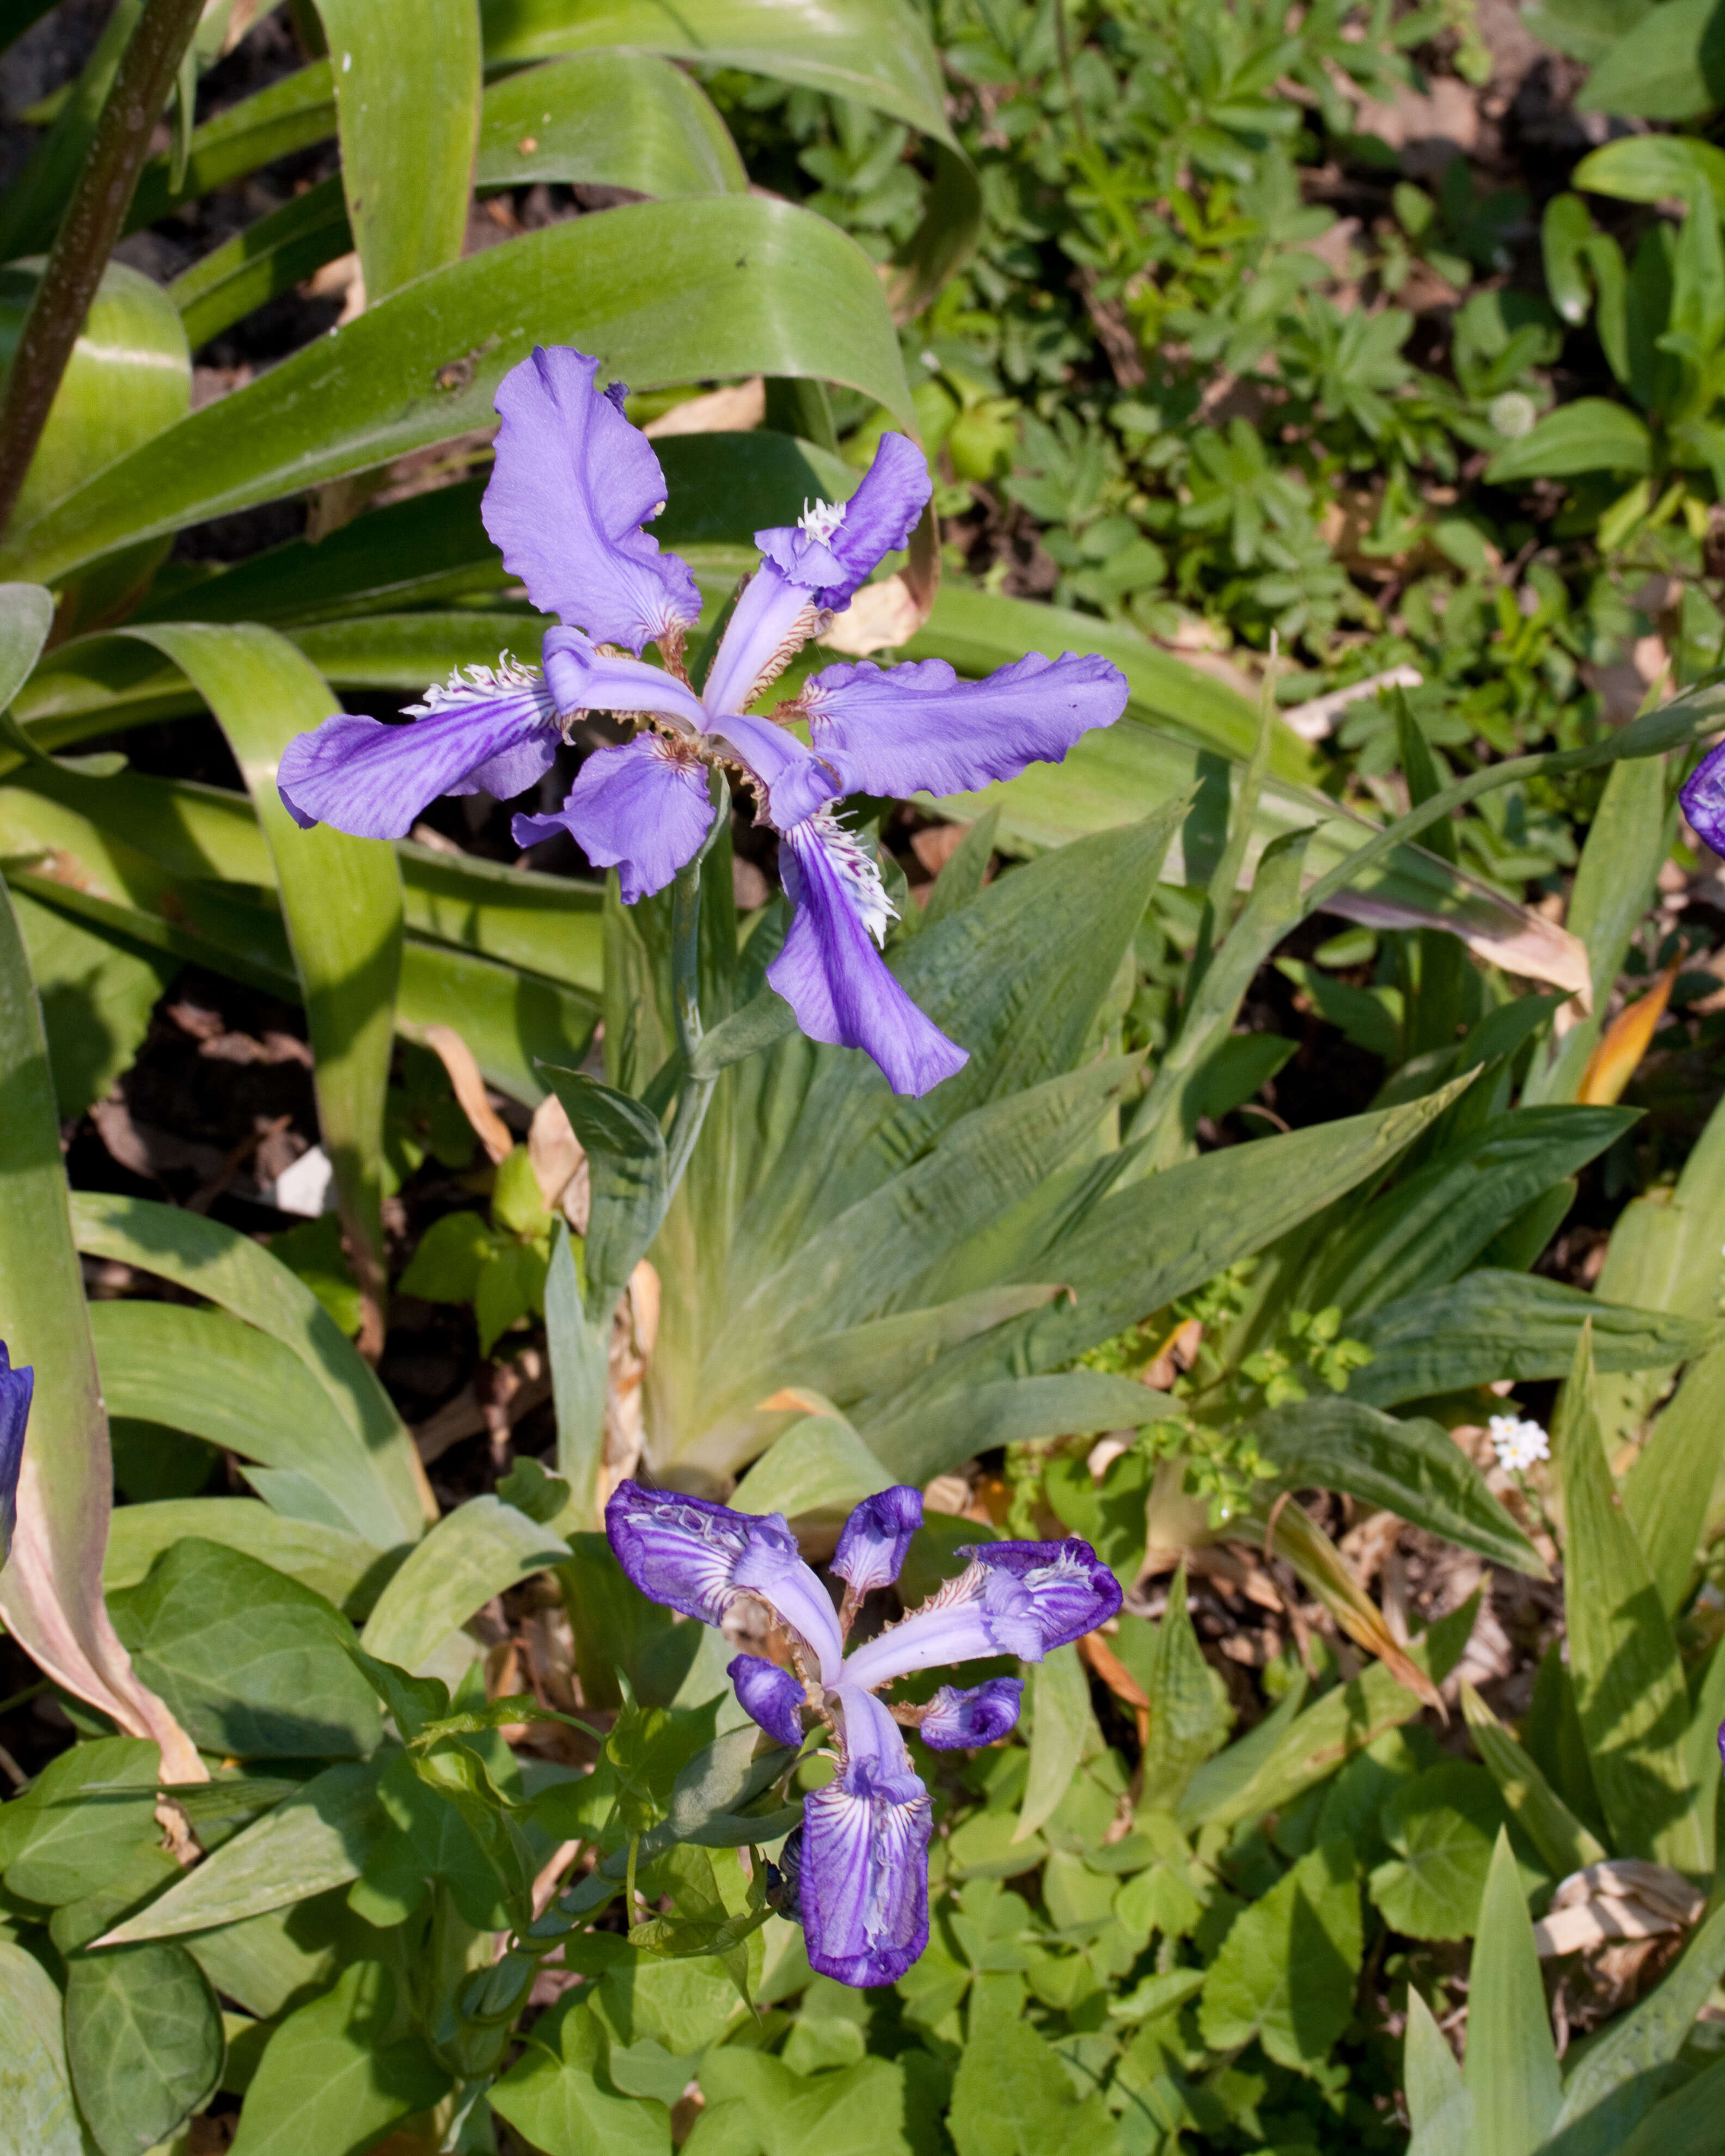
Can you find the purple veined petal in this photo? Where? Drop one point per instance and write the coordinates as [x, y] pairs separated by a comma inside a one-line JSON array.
[[642, 808], [872, 1546], [829, 971], [769, 1695], [956, 1721], [17, 1388], [796, 784], [1703, 798], [1022, 1598], [864, 1856], [583, 679], [852, 536], [919, 729], [573, 484], [700, 1557], [372, 780], [769, 624]]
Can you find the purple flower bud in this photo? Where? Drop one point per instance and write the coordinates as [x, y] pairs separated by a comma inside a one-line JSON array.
[[872, 1547], [958, 1720]]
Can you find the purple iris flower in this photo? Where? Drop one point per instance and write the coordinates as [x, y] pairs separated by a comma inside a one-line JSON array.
[[856, 1870], [1703, 798], [16, 1388], [573, 485]]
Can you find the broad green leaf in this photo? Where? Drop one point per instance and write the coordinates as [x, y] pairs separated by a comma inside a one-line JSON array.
[[1286, 1970], [319, 1839], [1590, 435], [1142, 1246], [50, 1590], [329, 1561], [290, 114], [268, 258], [1667, 1491], [230, 1269], [1618, 2078], [820, 1464], [1012, 2096], [943, 1431], [1627, 842], [1666, 68], [26, 616], [331, 2079], [1413, 1468], [1439, 2106], [1511, 2068], [1686, 2123], [1491, 1325], [760, 287], [1630, 1688], [37, 2114], [613, 119], [859, 2111], [875, 52], [341, 899], [406, 76], [1189, 1710], [253, 1663], [144, 2043], [553, 2097], [1424, 1232], [1561, 1839], [476, 1553], [252, 1396], [97, 993], [1650, 168], [80, 1821], [1302, 1749], [1059, 1725], [1440, 1825]]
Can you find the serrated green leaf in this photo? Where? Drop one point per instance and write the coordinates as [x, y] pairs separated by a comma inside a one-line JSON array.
[[331, 2080], [559, 2097], [253, 1663], [1285, 1972], [1440, 1824], [144, 2043], [1189, 1711]]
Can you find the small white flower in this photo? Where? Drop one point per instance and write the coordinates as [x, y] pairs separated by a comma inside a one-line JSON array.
[[1518, 1444]]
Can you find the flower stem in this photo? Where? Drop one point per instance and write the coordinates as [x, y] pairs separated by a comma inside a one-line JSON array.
[[694, 1094], [88, 231]]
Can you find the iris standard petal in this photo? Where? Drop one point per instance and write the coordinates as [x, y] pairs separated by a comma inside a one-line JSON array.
[[1020, 1599], [16, 1389], [373, 780], [583, 678], [642, 808], [769, 624], [795, 785], [871, 1548], [700, 1557], [850, 538], [1703, 798], [864, 1856], [982, 1715], [573, 484], [769, 1694], [917, 728], [830, 972]]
